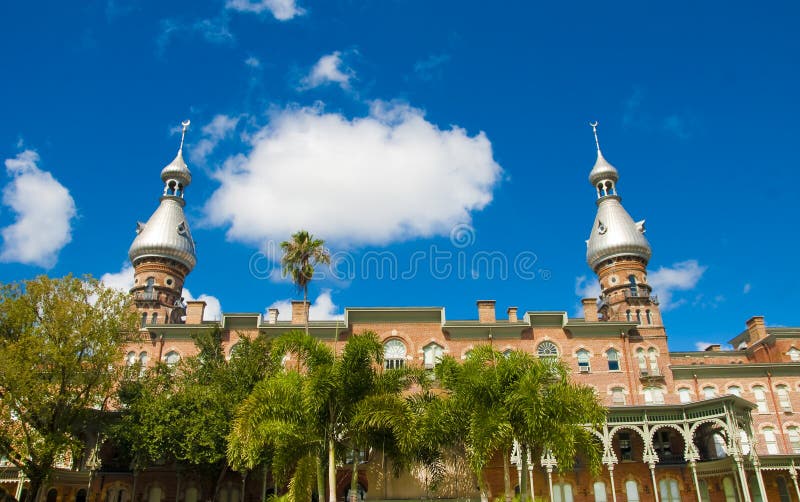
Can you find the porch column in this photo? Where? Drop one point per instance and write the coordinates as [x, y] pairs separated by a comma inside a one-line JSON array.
[[693, 467], [530, 473], [548, 462], [745, 492], [20, 484], [653, 479], [550, 480], [759, 478], [793, 475], [611, 478]]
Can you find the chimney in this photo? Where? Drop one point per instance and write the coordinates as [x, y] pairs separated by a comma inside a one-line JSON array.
[[486, 311], [756, 328], [590, 309], [714, 347], [272, 316], [194, 312], [299, 312], [512, 314]]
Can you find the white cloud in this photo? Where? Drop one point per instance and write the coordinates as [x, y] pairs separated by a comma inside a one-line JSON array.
[[213, 311], [122, 280], [282, 10], [220, 127], [44, 211], [681, 276], [747, 287], [321, 309], [430, 68], [587, 288], [253, 62], [329, 68], [386, 177], [702, 345]]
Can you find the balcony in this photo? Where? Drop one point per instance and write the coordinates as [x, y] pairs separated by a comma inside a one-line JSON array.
[[640, 296], [149, 296], [651, 374]]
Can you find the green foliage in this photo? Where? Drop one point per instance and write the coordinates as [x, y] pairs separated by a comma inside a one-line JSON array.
[[60, 345], [301, 255]]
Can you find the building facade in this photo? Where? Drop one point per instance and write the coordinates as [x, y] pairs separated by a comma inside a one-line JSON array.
[[714, 425]]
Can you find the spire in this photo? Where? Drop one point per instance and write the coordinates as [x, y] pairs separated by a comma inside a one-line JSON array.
[[176, 174], [603, 176]]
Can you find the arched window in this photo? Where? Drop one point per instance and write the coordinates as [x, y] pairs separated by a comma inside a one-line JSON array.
[[709, 392], [783, 397], [52, 495], [547, 349], [432, 354], [191, 494], [154, 319], [148, 287], [729, 489], [632, 285], [652, 355], [793, 434], [653, 395], [770, 441], [562, 492], [130, 359], [144, 318], [600, 492], [638, 316], [648, 316], [613, 360], [394, 354], [81, 495], [735, 390], [720, 448], [583, 361], [685, 395], [794, 354], [641, 359], [628, 315], [143, 359], [705, 496], [236, 346], [760, 394], [783, 490], [668, 488], [618, 396], [632, 490], [172, 358], [155, 494]]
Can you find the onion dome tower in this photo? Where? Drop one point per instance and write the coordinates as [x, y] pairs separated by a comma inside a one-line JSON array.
[[163, 251], [618, 252]]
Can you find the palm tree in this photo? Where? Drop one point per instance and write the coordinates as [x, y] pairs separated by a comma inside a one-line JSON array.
[[300, 255]]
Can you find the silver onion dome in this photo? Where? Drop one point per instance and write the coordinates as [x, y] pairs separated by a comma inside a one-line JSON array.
[[165, 235], [615, 234], [177, 170], [602, 170]]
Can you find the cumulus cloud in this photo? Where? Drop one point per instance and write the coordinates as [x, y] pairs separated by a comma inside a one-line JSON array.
[[329, 69], [213, 311], [253, 62], [321, 309], [587, 288], [700, 346], [44, 211], [681, 276], [220, 127], [122, 280], [282, 10], [386, 177]]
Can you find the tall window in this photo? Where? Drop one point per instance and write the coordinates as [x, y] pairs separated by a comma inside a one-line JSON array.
[[761, 398], [649, 317], [562, 492], [547, 349], [709, 392], [600, 492], [144, 319], [632, 285], [653, 395], [705, 496], [613, 360], [191, 494], [735, 390], [744, 441], [794, 438], [720, 448], [638, 316], [770, 440], [628, 315], [432, 354], [641, 359], [729, 489], [172, 358], [783, 397], [618, 396], [669, 490], [783, 490], [154, 319], [583, 361], [394, 354], [684, 394], [155, 494], [652, 355], [130, 359], [625, 447], [632, 490]]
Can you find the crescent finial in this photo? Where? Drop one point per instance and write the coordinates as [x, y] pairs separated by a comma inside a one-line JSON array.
[[594, 130], [185, 125]]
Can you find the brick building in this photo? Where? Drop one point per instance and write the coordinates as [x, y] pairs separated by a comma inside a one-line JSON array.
[[716, 425]]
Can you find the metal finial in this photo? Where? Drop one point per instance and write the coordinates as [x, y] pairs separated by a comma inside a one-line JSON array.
[[594, 129], [185, 125]]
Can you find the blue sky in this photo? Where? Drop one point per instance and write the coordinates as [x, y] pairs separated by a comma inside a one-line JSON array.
[[427, 135]]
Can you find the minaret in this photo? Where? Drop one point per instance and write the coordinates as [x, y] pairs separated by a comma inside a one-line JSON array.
[[163, 251], [618, 252]]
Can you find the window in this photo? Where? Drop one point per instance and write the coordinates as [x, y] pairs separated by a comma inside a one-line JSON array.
[[652, 355], [155, 494], [794, 354], [638, 316], [618, 396], [144, 318], [625, 448], [684, 395], [720, 448], [705, 496], [191, 495], [783, 490], [662, 444], [709, 392], [632, 285], [432, 354], [628, 315], [613, 360], [130, 359], [770, 440], [583, 361], [761, 399], [154, 319], [632, 490], [649, 317], [744, 441], [641, 359], [148, 288], [600, 492], [735, 390], [547, 349], [394, 354], [172, 358], [669, 490], [562, 492], [794, 438], [729, 489], [783, 397], [653, 395], [143, 358]]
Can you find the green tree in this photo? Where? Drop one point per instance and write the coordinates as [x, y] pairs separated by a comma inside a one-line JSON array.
[[60, 343], [301, 255]]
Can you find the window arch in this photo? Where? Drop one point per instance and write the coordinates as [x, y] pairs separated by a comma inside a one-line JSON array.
[[684, 393], [432, 354], [709, 392], [641, 359], [547, 349], [143, 358], [735, 390], [155, 494], [760, 395], [600, 492], [584, 365], [394, 354], [669, 490], [191, 494], [705, 496], [638, 316], [172, 358], [632, 490], [652, 355], [613, 359]]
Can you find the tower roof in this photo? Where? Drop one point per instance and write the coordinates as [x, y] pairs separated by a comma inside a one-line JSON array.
[[602, 170], [177, 169]]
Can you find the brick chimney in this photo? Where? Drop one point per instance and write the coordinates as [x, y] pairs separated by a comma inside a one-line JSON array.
[[756, 328], [299, 312], [486, 311], [272, 315], [589, 309], [714, 347], [512, 314], [194, 312]]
